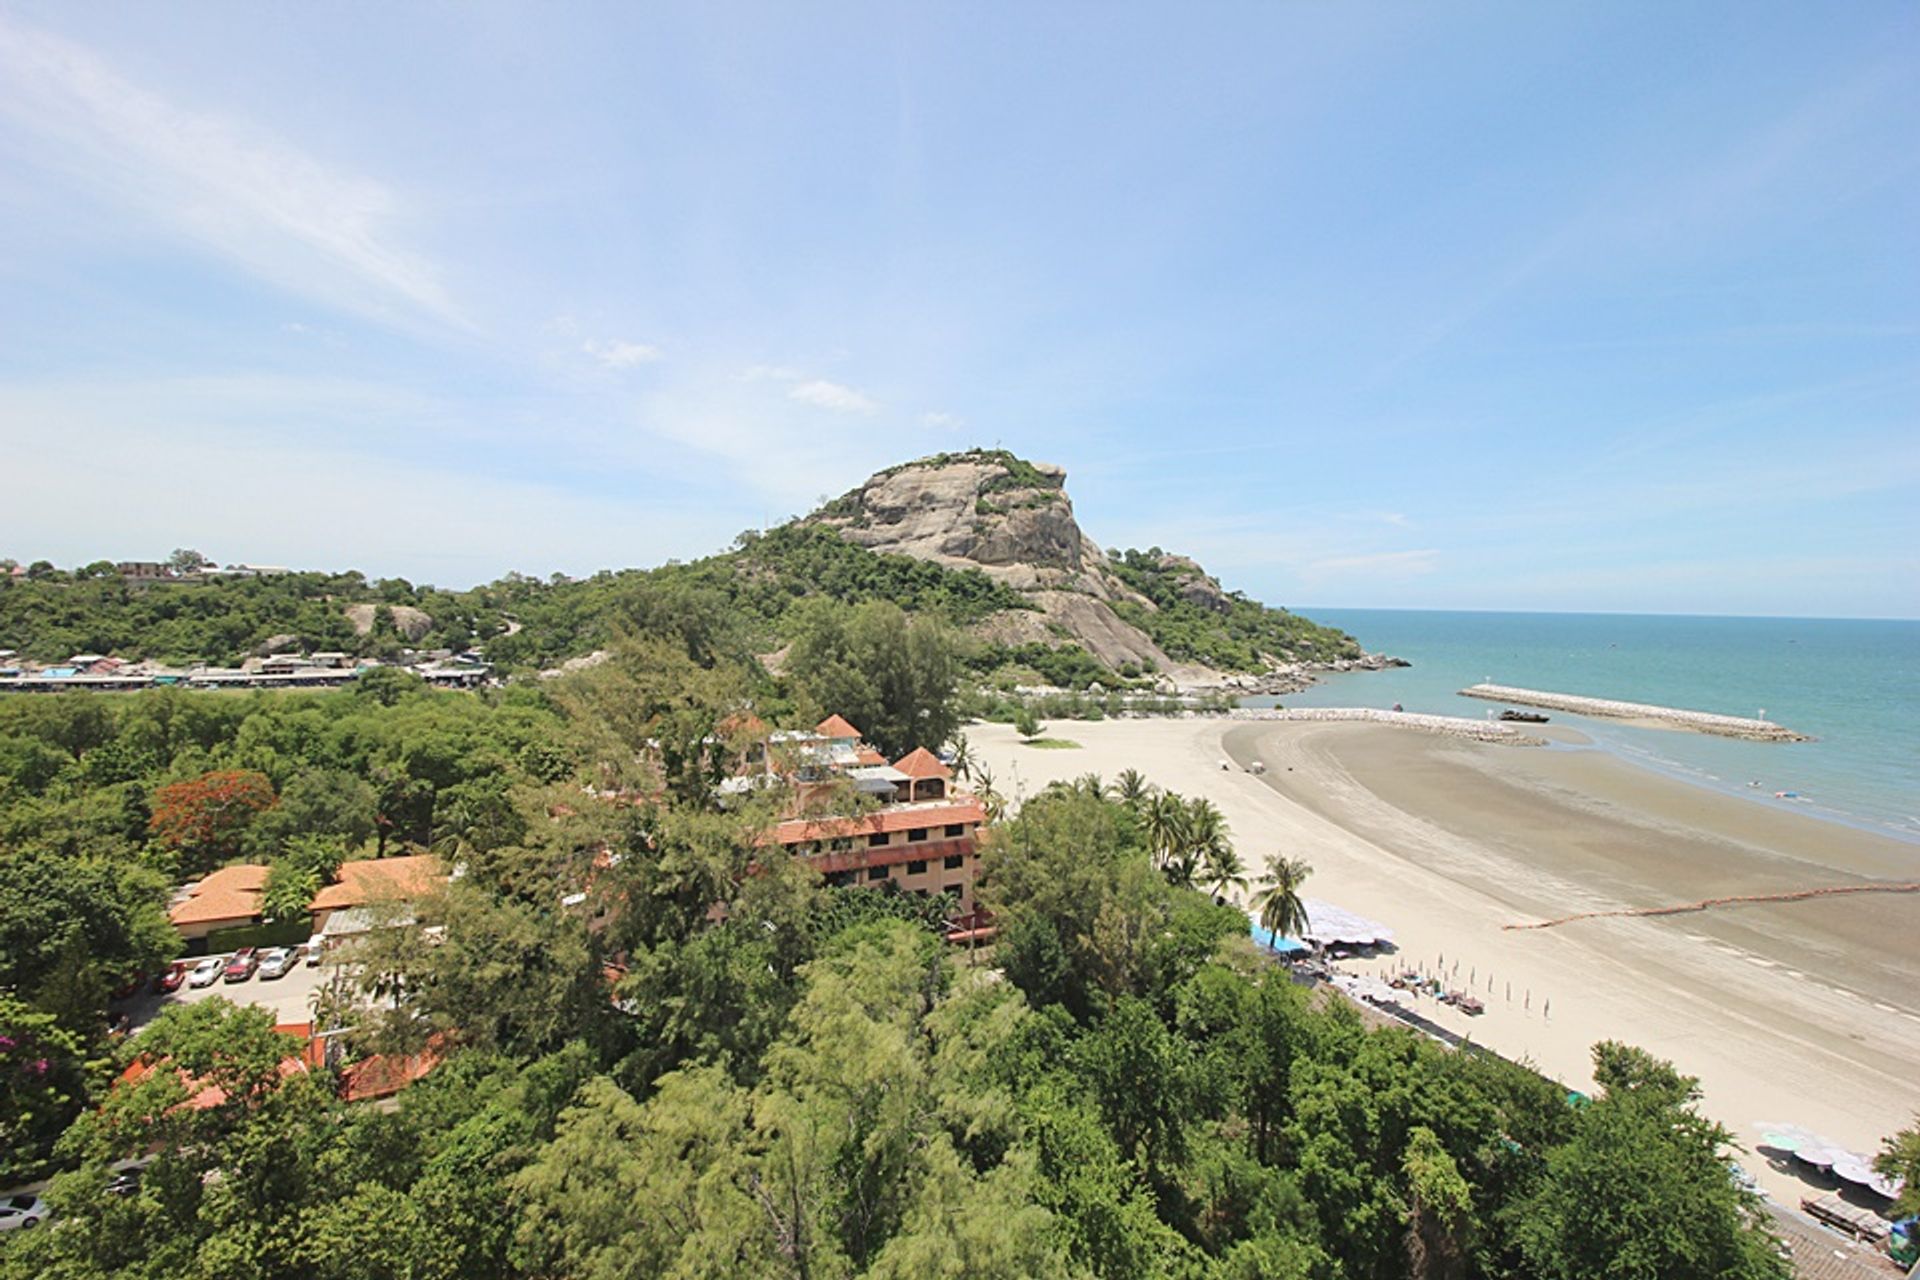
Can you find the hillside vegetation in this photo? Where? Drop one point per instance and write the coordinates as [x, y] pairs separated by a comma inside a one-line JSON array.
[[983, 540], [1229, 631]]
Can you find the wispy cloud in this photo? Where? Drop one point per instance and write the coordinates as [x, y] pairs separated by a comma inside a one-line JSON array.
[[242, 193], [617, 354], [832, 395], [942, 421]]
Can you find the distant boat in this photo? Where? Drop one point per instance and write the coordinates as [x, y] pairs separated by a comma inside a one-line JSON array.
[[1525, 717]]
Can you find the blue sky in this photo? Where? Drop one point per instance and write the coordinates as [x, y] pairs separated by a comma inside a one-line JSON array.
[[1610, 307]]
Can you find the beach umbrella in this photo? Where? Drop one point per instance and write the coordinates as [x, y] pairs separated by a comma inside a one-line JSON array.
[[1781, 1140]]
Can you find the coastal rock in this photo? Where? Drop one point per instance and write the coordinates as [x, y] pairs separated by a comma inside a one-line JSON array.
[[1010, 519]]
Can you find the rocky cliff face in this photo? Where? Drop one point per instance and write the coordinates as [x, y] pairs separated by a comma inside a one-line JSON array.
[[1013, 521]]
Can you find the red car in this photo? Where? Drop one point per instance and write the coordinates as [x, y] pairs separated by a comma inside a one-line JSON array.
[[170, 978], [131, 987], [242, 965]]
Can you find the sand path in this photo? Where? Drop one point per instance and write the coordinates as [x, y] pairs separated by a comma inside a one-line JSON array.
[[1807, 1013]]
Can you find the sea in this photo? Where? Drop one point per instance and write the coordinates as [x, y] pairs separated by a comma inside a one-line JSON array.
[[1852, 685]]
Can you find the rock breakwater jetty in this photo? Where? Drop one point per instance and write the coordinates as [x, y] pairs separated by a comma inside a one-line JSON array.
[[1445, 726], [1677, 717]]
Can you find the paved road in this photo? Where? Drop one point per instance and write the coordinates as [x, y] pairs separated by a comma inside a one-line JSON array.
[[290, 999]]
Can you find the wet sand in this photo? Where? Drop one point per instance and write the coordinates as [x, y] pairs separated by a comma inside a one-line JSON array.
[[1805, 1012]]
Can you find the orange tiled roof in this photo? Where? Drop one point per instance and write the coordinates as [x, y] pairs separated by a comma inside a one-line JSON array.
[[377, 879], [231, 893], [922, 763], [867, 755], [383, 1074], [835, 727], [962, 809]]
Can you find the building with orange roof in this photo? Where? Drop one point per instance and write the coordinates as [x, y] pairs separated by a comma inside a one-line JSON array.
[[229, 898], [922, 837], [927, 775], [835, 728], [361, 884]]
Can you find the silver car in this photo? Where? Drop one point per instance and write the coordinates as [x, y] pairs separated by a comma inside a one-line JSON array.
[[207, 972], [275, 963]]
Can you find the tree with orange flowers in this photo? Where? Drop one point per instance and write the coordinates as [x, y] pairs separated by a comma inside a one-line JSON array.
[[203, 819]]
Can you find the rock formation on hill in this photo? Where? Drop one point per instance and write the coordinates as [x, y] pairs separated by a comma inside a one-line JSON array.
[[1012, 520]]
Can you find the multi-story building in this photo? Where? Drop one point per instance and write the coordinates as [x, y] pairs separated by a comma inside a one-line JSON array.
[[922, 836]]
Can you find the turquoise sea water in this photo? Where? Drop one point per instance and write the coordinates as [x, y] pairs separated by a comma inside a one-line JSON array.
[[1854, 685]]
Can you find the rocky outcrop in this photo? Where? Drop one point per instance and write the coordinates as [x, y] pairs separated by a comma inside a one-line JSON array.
[[1013, 521], [410, 622]]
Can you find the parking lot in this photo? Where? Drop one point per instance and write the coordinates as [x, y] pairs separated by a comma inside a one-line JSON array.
[[289, 999]]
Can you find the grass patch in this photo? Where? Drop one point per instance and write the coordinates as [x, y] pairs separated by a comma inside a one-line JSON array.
[[1052, 744]]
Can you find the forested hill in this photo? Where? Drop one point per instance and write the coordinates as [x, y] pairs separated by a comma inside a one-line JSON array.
[[984, 539]]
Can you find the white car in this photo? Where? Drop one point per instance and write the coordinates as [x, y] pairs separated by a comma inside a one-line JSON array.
[[23, 1211], [207, 972]]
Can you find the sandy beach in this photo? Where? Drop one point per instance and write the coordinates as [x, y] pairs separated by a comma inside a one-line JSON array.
[[1804, 1012]]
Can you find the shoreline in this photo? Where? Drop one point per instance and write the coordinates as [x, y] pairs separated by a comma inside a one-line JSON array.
[[1801, 1010]]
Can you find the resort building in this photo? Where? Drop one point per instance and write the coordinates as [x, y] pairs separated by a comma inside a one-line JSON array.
[[921, 836], [370, 892], [229, 898]]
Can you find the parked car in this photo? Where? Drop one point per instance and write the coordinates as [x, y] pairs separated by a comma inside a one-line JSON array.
[[207, 972], [313, 950], [125, 1181], [275, 963], [131, 987], [242, 964], [23, 1211], [170, 978]]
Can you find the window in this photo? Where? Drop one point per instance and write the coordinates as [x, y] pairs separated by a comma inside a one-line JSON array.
[[840, 879], [916, 835], [878, 838], [955, 861], [916, 868], [956, 829], [876, 873], [841, 844]]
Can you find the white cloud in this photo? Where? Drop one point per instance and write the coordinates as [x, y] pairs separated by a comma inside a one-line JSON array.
[[242, 193], [617, 354], [832, 395], [942, 421]]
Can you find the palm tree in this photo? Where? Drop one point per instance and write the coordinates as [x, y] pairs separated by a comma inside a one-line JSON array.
[[1132, 787], [1221, 869], [1182, 869], [963, 761], [990, 800], [1278, 901], [1090, 785], [1206, 827], [1164, 821]]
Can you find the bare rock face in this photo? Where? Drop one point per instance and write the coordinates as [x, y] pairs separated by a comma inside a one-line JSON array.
[[407, 620], [1013, 521]]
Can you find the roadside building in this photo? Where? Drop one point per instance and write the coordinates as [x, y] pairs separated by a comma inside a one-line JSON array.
[[230, 898]]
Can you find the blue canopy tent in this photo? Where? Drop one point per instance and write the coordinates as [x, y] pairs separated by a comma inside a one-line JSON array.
[[1282, 946]]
